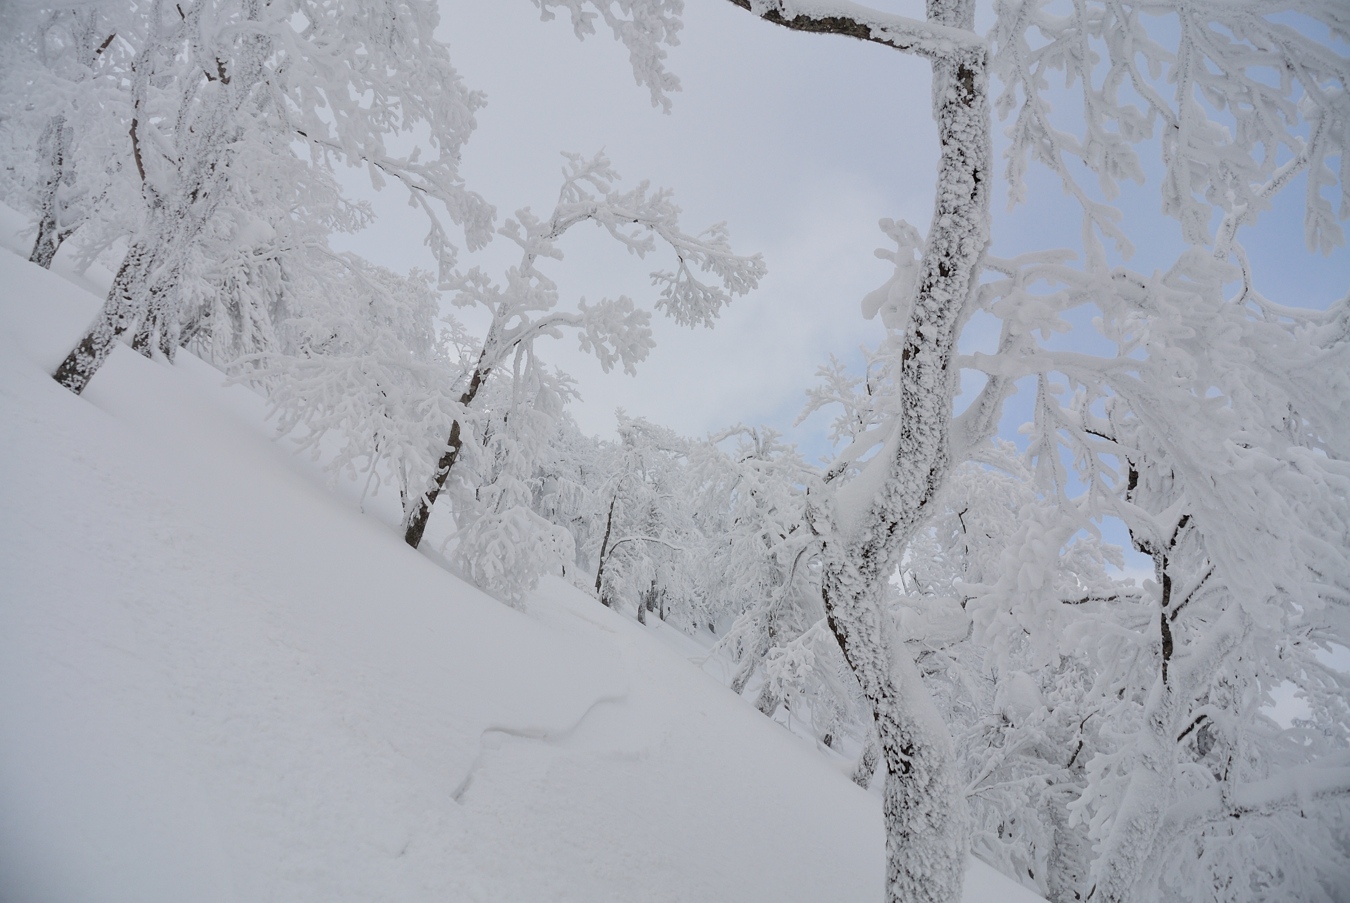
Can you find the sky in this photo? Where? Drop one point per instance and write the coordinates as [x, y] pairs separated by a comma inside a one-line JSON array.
[[801, 143]]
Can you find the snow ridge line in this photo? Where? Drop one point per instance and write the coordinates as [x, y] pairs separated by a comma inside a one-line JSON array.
[[543, 735]]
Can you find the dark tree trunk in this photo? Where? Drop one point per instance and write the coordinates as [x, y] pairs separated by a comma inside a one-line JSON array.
[[416, 522], [421, 512], [604, 551], [747, 670], [926, 832], [124, 306], [158, 326], [54, 147], [143, 339]]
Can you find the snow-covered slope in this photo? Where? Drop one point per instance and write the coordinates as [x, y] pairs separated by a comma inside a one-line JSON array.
[[219, 682]]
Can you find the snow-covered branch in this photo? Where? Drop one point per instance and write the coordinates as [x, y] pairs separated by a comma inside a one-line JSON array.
[[522, 307], [1292, 788], [642, 25], [925, 38]]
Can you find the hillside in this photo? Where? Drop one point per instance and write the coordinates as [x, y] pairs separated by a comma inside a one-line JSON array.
[[219, 681]]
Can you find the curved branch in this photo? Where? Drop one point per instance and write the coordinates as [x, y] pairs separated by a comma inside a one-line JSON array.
[[669, 545]]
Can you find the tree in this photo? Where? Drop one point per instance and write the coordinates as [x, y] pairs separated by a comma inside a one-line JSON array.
[[865, 533], [1202, 420], [1200, 441], [649, 546], [1047, 669], [208, 80], [501, 542], [358, 357], [522, 309], [84, 43], [58, 82], [759, 570]]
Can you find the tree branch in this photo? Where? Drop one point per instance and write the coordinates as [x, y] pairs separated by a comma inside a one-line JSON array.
[[926, 39], [1292, 787]]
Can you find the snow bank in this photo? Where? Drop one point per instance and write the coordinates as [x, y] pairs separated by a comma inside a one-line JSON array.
[[219, 682]]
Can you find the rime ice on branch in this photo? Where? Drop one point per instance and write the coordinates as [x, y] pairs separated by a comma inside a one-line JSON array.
[[614, 330]]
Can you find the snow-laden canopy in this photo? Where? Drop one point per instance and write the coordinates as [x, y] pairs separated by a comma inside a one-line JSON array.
[[218, 682]]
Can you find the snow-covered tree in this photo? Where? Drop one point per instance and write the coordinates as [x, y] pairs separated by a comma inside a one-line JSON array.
[[234, 113], [522, 308], [1220, 446], [1244, 99], [360, 368], [968, 592], [759, 561], [1013, 692], [208, 81], [569, 491], [649, 548], [501, 542]]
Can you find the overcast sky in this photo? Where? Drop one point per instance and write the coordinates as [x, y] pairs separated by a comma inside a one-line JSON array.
[[800, 143]]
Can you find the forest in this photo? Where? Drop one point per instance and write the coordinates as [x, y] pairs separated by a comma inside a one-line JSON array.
[[1063, 581]]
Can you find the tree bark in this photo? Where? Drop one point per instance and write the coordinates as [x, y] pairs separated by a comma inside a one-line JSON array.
[[123, 308], [744, 673], [867, 762], [416, 521], [158, 326], [604, 550], [768, 701], [54, 147], [1127, 849], [926, 825]]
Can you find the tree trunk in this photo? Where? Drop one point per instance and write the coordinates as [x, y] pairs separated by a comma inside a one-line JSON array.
[[604, 551], [768, 701], [157, 326], [54, 147], [1066, 865], [867, 762], [124, 306], [926, 824], [926, 834], [421, 511], [416, 520], [648, 602], [1127, 850], [923, 805], [744, 673]]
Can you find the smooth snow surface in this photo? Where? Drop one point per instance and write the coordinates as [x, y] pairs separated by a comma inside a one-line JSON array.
[[219, 682]]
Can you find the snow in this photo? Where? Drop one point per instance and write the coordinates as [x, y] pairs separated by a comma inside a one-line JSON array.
[[218, 681]]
